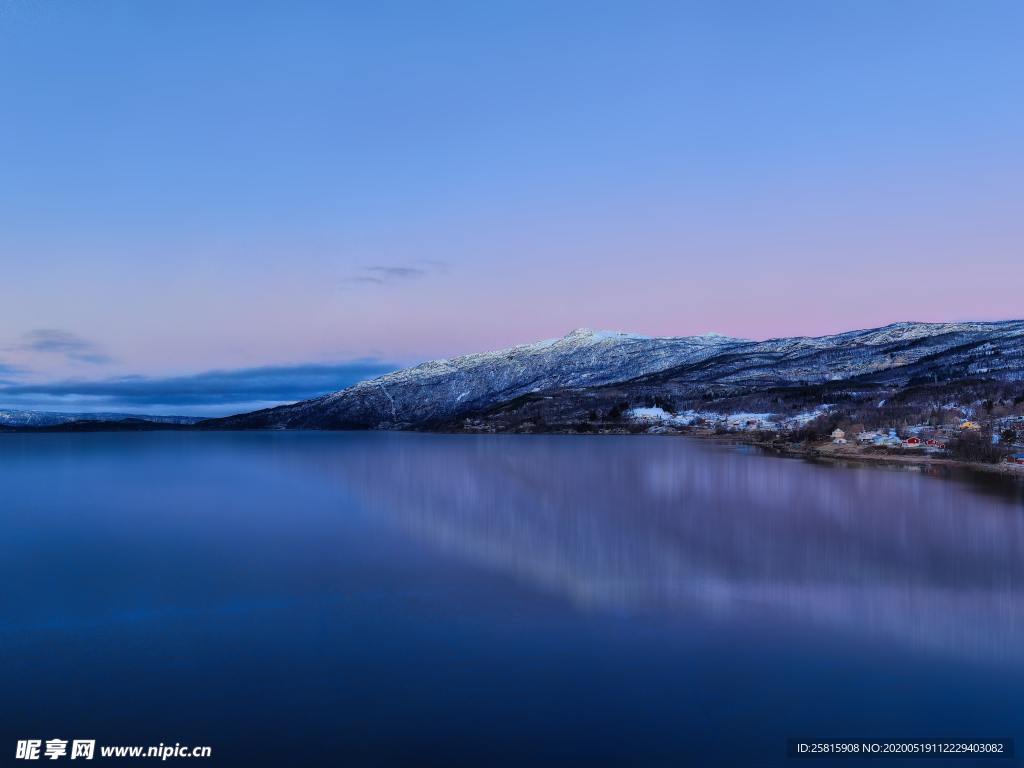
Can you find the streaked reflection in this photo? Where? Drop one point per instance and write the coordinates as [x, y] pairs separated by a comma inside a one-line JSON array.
[[677, 526]]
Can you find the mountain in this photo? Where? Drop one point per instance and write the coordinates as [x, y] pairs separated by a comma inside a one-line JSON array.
[[438, 391], [16, 418], [586, 375]]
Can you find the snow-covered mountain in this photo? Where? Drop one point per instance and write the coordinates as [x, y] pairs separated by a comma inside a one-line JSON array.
[[593, 362], [16, 418], [443, 389]]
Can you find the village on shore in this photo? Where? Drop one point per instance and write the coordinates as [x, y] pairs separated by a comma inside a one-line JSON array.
[[970, 438]]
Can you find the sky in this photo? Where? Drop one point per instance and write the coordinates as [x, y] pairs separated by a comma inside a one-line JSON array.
[[205, 206]]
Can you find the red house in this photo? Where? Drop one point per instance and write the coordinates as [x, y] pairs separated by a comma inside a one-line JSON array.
[[912, 442]]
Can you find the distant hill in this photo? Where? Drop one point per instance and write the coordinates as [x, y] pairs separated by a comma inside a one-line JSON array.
[[17, 418]]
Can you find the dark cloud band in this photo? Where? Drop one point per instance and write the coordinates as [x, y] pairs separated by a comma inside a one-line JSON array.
[[269, 383]]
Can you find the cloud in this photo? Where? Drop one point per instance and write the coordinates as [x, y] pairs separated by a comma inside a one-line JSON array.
[[397, 273], [381, 274], [211, 388], [58, 342]]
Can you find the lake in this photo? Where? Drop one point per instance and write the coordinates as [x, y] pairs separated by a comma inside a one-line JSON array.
[[409, 599]]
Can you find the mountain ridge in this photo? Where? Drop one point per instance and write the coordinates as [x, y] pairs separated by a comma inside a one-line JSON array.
[[587, 370]]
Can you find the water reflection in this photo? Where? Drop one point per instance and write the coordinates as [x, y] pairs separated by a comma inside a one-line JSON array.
[[390, 599], [677, 526]]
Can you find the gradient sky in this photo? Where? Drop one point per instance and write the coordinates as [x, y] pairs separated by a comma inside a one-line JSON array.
[[189, 186]]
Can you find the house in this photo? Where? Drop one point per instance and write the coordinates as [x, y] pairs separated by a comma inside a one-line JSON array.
[[1017, 458], [838, 436], [912, 442], [970, 425]]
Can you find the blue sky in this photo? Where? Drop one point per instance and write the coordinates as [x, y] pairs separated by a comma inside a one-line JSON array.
[[193, 186]]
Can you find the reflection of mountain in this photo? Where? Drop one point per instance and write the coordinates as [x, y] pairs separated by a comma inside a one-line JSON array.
[[657, 525]]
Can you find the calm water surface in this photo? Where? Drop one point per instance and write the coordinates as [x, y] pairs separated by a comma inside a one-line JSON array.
[[388, 599]]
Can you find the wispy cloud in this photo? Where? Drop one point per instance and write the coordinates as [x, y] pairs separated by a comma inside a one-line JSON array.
[[212, 388], [384, 274], [397, 273], [65, 343]]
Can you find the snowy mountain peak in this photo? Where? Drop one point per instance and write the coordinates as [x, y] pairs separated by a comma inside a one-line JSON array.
[[592, 335], [720, 338]]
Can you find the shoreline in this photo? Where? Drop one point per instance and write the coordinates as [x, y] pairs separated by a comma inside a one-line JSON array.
[[825, 451], [857, 455]]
